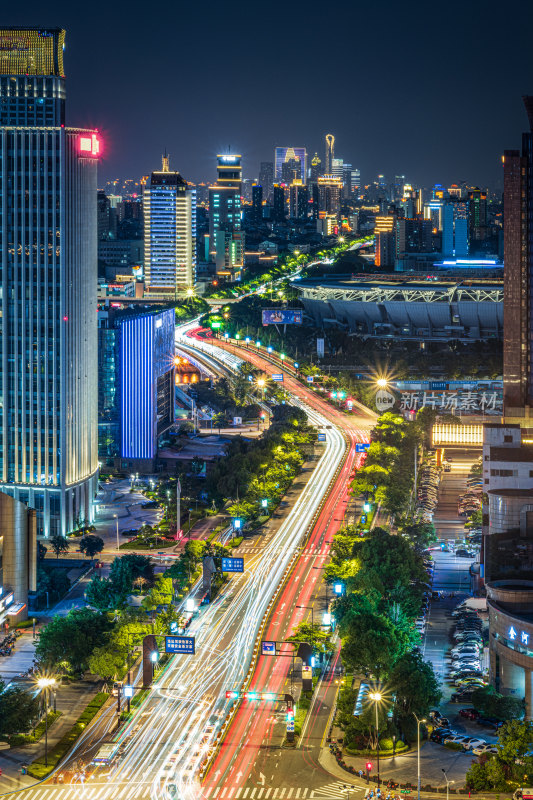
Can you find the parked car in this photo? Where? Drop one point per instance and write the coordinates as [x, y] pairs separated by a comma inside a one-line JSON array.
[[473, 741], [456, 738], [469, 713], [490, 722], [439, 735], [442, 722], [461, 696], [464, 553], [485, 749]]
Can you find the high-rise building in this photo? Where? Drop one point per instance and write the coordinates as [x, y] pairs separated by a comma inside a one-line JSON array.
[[298, 201], [518, 276], [346, 179], [413, 236], [477, 215], [279, 211], [330, 154], [287, 162], [169, 234], [266, 179], [316, 169], [257, 202], [226, 238], [18, 564], [329, 195], [135, 385], [337, 168], [355, 181], [455, 229], [48, 278]]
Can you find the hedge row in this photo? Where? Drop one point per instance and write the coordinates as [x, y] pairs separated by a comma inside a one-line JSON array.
[[37, 768]]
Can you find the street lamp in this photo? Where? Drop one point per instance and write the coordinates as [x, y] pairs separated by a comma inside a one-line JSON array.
[[447, 785], [418, 722], [377, 698], [45, 684], [382, 382]]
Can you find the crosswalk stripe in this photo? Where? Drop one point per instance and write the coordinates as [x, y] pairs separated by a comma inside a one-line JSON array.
[[245, 793], [224, 790], [239, 790], [268, 792], [291, 790], [297, 792], [252, 794]]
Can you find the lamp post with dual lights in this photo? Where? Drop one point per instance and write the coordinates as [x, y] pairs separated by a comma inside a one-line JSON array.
[[46, 685], [418, 723], [447, 785], [376, 697]]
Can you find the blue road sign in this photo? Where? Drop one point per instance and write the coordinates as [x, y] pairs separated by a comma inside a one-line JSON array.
[[180, 644], [310, 379], [278, 376], [321, 437], [362, 447], [268, 648], [233, 565]]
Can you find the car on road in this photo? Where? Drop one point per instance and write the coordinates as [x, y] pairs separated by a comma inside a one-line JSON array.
[[463, 696], [461, 553], [490, 722]]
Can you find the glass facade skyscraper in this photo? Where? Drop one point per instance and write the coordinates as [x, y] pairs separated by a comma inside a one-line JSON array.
[[169, 234], [48, 361]]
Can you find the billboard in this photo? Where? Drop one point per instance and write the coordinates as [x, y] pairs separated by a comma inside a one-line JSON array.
[[233, 565], [268, 648], [282, 316], [180, 644]]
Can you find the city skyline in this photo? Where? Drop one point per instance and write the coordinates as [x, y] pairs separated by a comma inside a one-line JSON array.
[[431, 121]]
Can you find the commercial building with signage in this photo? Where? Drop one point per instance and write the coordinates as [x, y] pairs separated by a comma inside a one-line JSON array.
[[136, 385], [48, 274]]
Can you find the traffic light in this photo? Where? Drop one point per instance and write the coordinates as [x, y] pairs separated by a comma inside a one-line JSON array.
[[290, 714], [232, 695], [268, 696], [369, 766], [251, 696]]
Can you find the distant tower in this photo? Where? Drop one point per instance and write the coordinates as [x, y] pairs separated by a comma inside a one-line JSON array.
[[316, 168], [330, 153]]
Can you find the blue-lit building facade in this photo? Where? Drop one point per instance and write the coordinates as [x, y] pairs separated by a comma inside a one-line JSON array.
[[48, 273], [136, 385], [226, 237]]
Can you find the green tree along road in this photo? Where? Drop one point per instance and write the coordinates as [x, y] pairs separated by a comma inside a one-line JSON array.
[[511, 766], [384, 579], [18, 710], [70, 640]]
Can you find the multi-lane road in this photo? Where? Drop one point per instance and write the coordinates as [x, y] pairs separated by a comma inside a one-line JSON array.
[[250, 762], [169, 739]]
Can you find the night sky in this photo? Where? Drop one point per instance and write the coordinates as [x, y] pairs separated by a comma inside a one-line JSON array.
[[429, 90]]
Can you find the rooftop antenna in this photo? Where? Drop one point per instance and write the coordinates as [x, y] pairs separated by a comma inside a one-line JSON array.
[[166, 162]]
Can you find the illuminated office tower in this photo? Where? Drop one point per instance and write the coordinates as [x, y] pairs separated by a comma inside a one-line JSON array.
[[329, 195], [288, 161], [48, 333], [455, 229], [298, 201], [355, 181], [316, 169], [226, 237], [169, 234], [330, 154], [279, 210], [477, 203]]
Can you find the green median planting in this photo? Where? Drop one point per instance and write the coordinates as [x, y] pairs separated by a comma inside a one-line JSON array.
[[38, 769]]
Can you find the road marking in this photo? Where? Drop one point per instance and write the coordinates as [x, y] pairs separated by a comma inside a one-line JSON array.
[[268, 792], [224, 790]]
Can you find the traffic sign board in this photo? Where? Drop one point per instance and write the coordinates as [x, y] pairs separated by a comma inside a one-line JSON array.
[[310, 379], [180, 644], [268, 648], [233, 565], [321, 437], [362, 447], [278, 376]]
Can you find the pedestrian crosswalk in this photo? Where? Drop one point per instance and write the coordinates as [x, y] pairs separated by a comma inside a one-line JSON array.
[[97, 791], [332, 791]]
